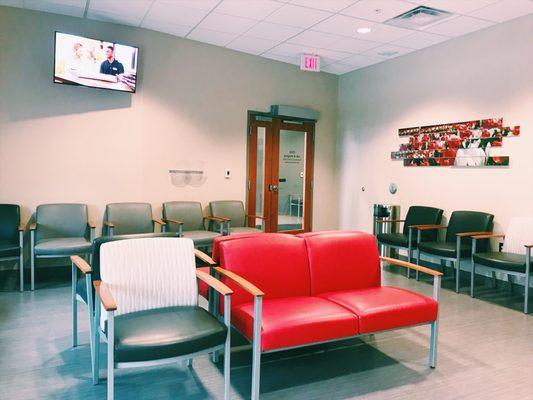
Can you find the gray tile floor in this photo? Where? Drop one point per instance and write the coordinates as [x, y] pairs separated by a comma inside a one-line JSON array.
[[485, 352]]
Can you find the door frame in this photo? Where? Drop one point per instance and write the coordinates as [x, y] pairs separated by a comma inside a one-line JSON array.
[[271, 175]]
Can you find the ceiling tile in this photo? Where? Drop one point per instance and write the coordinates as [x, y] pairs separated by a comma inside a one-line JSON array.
[[171, 12], [166, 27], [251, 45], [267, 30], [456, 6], [256, 9], [316, 39], [338, 68], [505, 10], [342, 25], [113, 11], [387, 51], [419, 40], [301, 17], [328, 5], [378, 10], [459, 26], [285, 59], [383, 33], [211, 37], [227, 23], [360, 60], [206, 5], [352, 45], [75, 8]]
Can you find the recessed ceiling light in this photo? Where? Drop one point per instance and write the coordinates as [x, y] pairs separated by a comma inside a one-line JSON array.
[[364, 30]]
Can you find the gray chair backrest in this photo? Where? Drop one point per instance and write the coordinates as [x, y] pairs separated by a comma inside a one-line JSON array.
[[188, 212], [129, 218], [9, 221], [232, 209], [61, 221]]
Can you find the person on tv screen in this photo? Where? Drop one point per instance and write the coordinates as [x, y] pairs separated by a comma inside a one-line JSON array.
[[111, 66]]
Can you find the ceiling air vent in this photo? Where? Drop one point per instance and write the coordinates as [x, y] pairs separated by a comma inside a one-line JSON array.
[[419, 18]]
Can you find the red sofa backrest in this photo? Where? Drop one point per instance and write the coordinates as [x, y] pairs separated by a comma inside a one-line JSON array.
[[275, 263], [342, 261], [215, 251]]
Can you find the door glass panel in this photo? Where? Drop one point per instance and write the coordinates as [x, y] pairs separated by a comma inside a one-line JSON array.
[[292, 146], [260, 179]]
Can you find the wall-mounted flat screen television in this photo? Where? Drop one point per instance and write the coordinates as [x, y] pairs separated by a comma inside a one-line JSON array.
[[95, 63]]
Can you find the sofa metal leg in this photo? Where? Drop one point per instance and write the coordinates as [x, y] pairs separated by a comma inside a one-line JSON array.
[[227, 348], [433, 344], [256, 358]]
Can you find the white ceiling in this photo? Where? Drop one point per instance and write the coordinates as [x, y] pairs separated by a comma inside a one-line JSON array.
[[284, 29]]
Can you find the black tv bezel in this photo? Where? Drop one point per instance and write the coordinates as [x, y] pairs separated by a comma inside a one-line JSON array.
[[92, 87]]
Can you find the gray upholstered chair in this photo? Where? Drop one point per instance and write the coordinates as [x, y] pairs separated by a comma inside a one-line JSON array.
[[234, 216], [515, 257], [147, 307], [12, 237], [60, 230], [186, 217], [128, 219], [458, 242]]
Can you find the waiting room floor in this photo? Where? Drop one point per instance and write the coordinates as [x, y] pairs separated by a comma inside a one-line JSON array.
[[485, 352]]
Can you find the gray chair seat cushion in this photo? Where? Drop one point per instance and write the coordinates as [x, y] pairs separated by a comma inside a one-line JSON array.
[[445, 249], [396, 239], [243, 229], [9, 248], [62, 246], [502, 260], [201, 237], [164, 333]]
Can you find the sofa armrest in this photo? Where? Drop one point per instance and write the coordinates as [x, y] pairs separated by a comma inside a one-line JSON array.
[[204, 257], [81, 264], [239, 280], [436, 274], [213, 282], [106, 297]]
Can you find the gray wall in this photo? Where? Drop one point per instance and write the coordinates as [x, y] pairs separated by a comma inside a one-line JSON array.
[[71, 144]]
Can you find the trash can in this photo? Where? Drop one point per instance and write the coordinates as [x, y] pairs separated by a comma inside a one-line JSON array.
[[386, 211]]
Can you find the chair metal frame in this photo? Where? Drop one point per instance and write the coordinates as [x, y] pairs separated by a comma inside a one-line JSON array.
[[20, 257], [258, 307]]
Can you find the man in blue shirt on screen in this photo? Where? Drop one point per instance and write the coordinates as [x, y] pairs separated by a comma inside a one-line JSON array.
[[111, 66]]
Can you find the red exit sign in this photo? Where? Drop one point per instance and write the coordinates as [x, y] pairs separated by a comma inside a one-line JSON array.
[[309, 62]]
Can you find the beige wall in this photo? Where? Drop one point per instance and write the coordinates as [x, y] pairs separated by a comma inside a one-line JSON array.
[[483, 75], [71, 144]]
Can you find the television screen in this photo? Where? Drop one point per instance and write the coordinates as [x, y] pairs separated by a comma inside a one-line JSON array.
[[95, 63]]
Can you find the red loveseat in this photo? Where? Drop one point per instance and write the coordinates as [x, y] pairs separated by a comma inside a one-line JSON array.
[[293, 291]]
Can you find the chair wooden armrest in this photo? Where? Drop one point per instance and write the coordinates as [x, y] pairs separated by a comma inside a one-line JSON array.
[[217, 219], [213, 282], [465, 234], [528, 246], [109, 224], [21, 228], [91, 224], [488, 236], [82, 265], [32, 227], [158, 221], [255, 216], [106, 297], [174, 221], [204, 257], [383, 221], [406, 264], [239, 280], [428, 227]]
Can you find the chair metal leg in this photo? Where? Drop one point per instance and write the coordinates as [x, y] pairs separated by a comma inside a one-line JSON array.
[[472, 276], [458, 264], [227, 348], [21, 260], [96, 341], [433, 344], [409, 251], [74, 307], [256, 357], [418, 240], [90, 312], [188, 363], [32, 260], [110, 355], [526, 284]]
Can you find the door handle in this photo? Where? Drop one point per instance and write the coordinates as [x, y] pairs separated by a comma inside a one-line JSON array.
[[273, 188]]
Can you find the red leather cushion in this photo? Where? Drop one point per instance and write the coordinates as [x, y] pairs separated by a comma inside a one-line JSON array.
[[203, 288], [342, 260], [296, 321], [386, 307], [275, 263]]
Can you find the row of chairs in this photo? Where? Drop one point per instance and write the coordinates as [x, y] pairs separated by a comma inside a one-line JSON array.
[[62, 230], [468, 235]]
